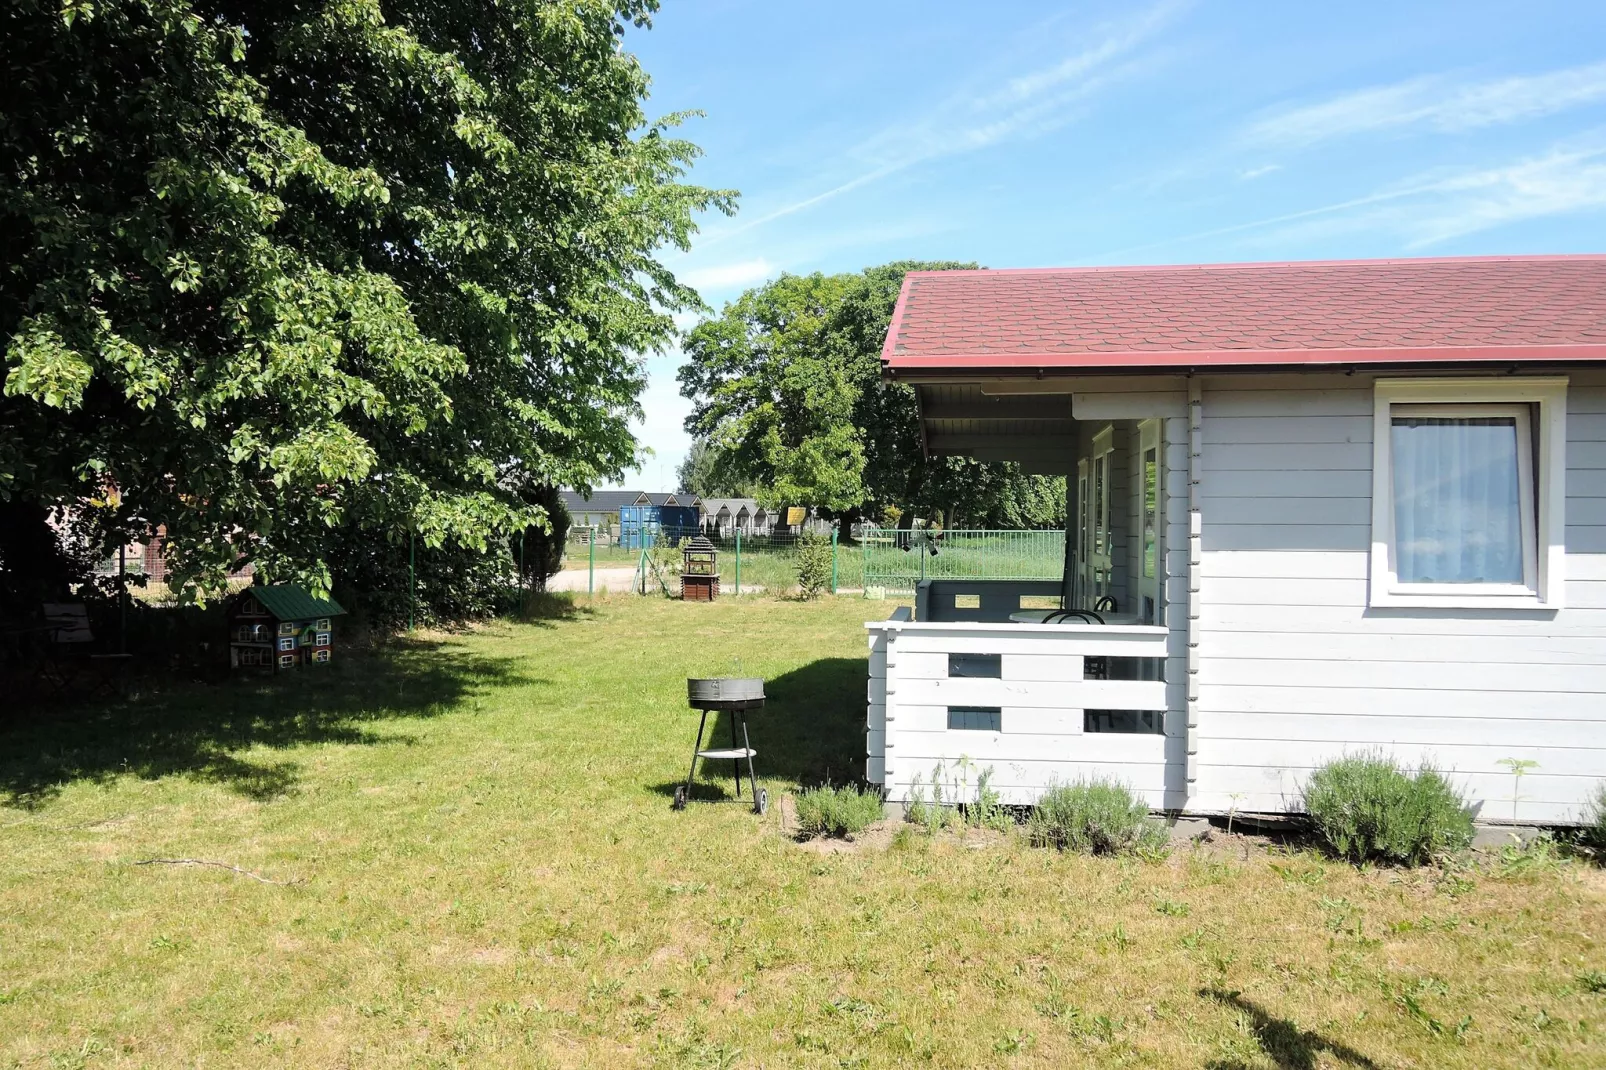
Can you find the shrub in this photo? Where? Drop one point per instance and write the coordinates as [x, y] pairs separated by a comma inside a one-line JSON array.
[[663, 561], [539, 550], [813, 565], [1097, 816], [1593, 833], [833, 811], [1365, 807]]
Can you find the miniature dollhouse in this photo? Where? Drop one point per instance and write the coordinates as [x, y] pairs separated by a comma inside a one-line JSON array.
[[281, 627]]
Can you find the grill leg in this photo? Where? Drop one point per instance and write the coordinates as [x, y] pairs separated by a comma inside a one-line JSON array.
[[736, 766], [692, 775], [752, 780]]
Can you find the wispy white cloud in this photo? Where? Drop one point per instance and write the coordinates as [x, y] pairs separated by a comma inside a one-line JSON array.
[[1561, 182], [718, 277], [1027, 105], [1435, 103], [1259, 172], [1431, 209]]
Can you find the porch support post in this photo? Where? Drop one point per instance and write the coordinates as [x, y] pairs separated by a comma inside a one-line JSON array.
[[1195, 546]]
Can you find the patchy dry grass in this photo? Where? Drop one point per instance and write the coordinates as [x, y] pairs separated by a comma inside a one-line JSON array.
[[490, 874]]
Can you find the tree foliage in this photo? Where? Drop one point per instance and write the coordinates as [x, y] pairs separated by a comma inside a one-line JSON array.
[[773, 397], [787, 393], [301, 278], [540, 549], [708, 472]]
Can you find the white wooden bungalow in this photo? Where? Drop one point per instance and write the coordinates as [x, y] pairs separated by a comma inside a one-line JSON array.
[[724, 517], [1334, 506]]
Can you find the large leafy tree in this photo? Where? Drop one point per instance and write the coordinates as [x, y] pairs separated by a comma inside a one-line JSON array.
[[708, 472], [787, 392], [289, 277], [773, 398]]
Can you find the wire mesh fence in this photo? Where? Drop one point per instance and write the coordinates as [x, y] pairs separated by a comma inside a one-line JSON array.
[[894, 560], [142, 566], [877, 561]]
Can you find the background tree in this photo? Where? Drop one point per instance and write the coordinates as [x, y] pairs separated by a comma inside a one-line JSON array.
[[302, 279], [541, 552], [772, 400], [707, 472], [787, 391]]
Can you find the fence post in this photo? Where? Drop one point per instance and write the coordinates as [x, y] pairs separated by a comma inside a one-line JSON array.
[[920, 548], [864, 559], [122, 597], [591, 563], [521, 563], [738, 560], [412, 582], [833, 560]]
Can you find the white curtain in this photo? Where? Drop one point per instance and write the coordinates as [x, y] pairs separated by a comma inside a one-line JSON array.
[[1457, 507]]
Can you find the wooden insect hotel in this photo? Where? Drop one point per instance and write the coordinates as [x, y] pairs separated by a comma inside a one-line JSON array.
[[699, 571], [281, 627]]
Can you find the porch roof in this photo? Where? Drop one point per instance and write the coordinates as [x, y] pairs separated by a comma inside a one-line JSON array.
[[1516, 309]]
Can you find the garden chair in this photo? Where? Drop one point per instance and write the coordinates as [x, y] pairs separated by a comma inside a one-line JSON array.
[[72, 639]]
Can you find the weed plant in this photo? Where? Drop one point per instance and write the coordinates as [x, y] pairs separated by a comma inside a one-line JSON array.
[[953, 802]]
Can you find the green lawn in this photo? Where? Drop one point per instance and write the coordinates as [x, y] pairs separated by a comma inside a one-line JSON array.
[[487, 872]]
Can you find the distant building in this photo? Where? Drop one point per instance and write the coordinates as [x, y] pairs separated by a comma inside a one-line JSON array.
[[599, 509], [632, 518], [724, 517]]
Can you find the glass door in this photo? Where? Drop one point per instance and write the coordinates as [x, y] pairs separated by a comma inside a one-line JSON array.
[[1081, 538], [1151, 544], [1098, 536]]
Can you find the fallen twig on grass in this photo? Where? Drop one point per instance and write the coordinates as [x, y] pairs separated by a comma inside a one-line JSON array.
[[208, 862]]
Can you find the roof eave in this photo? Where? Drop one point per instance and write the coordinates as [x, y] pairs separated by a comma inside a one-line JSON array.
[[896, 365], [889, 343]]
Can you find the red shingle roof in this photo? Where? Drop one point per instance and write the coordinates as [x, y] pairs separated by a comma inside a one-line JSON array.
[[1516, 308]]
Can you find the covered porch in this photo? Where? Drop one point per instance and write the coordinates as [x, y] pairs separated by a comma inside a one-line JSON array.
[[1047, 681]]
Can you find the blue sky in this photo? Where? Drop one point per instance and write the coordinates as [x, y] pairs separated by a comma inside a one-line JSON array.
[[1021, 135]]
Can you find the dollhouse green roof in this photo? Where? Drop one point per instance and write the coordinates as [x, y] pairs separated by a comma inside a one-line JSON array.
[[286, 601]]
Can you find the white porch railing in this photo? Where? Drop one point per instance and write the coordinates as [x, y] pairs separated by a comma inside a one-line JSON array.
[[1017, 698]]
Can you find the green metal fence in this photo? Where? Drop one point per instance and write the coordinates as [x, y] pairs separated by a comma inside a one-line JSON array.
[[894, 560]]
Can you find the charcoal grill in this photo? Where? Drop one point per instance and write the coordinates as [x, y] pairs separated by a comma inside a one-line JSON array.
[[738, 696]]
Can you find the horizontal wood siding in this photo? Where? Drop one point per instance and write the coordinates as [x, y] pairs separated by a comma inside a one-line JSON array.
[[1040, 695], [1296, 670]]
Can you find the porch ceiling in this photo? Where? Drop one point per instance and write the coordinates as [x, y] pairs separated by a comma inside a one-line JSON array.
[[1034, 430]]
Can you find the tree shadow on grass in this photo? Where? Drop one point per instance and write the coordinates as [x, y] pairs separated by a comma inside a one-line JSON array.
[[1289, 1046], [548, 609], [811, 730], [198, 731]]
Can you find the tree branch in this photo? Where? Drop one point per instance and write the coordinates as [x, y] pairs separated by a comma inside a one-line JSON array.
[[219, 865]]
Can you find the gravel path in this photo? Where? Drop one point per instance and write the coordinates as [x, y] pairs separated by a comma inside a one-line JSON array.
[[608, 579]]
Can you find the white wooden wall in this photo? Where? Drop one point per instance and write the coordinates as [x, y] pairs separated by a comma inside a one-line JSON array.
[[1296, 670], [1041, 692]]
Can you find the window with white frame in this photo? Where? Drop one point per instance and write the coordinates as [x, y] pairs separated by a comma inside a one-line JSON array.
[[1467, 492]]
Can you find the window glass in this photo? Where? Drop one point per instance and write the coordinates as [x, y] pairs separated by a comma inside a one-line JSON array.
[[1457, 499], [1129, 722], [1082, 512], [1151, 505], [1100, 474], [975, 719]]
